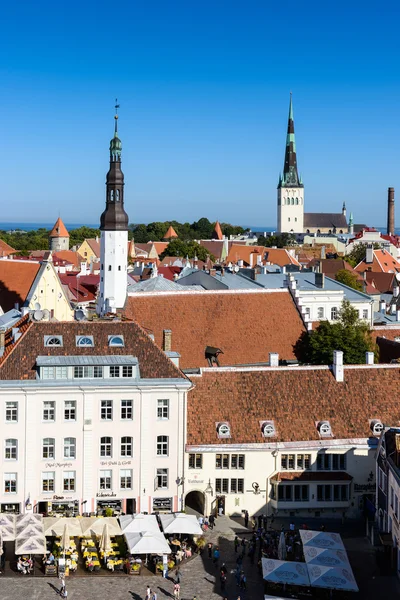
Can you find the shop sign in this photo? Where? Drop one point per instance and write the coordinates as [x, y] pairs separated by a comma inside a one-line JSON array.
[[57, 465], [55, 497], [362, 488], [196, 481], [106, 495], [115, 463], [115, 504], [162, 503]]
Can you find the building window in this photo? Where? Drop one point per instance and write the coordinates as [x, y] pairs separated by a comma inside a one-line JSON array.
[[162, 478], [223, 430], [382, 479], [106, 447], [88, 372], [126, 446], [195, 461], [365, 313], [69, 481], [222, 486], [49, 411], [334, 313], [335, 493], [338, 462], [237, 486], [237, 461], [11, 449], [320, 313], [105, 480], [324, 462], [162, 409], [106, 410], [291, 462], [126, 410], [12, 412], [303, 461], [125, 479], [69, 447], [162, 445], [127, 371], [53, 340], [222, 461], [85, 341], [48, 448], [10, 483], [69, 410], [114, 371], [48, 481], [116, 340], [53, 372], [285, 493], [301, 493]]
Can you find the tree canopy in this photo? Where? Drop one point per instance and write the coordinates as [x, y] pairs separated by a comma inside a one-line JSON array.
[[358, 254], [349, 279], [190, 249], [198, 230], [349, 334], [279, 240], [38, 239]]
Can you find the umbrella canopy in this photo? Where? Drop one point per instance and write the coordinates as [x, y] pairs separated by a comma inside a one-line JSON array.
[[326, 558], [139, 523], [65, 538], [334, 578], [54, 526], [95, 526], [147, 543], [7, 527], [1, 543], [282, 547], [280, 571], [31, 545], [180, 523], [321, 539], [105, 542]]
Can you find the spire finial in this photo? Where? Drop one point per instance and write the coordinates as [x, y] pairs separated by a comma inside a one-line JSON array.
[[116, 115]]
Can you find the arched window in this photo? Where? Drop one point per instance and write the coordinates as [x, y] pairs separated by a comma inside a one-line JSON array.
[[112, 196], [48, 448], [296, 201], [288, 201], [295, 219], [292, 201], [223, 430], [116, 340], [85, 341], [288, 219], [11, 449], [268, 429], [116, 195], [69, 447], [106, 447], [53, 340]]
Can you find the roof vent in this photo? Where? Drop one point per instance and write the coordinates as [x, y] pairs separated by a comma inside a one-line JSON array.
[[223, 430], [376, 426], [268, 429], [324, 429]]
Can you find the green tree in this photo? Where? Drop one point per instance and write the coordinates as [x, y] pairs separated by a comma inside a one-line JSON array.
[[76, 236], [357, 254], [349, 279], [183, 249], [280, 240], [349, 334]]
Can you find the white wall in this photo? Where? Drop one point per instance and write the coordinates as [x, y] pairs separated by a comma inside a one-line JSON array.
[[290, 217], [113, 269]]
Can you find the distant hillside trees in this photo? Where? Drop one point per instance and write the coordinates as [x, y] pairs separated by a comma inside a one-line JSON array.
[[198, 230]]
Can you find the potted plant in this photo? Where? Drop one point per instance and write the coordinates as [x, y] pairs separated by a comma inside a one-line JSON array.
[[200, 543], [159, 568], [135, 569], [109, 512]]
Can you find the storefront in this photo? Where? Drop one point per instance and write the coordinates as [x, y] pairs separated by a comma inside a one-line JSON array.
[[162, 505], [115, 505], [11, 508], [59, 506]]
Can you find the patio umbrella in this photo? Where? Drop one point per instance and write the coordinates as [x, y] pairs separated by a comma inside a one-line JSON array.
[[181, 523], [286, 572], [147, 543], [31, 545], [334, 578], [139, 523], [326, 558], [105, 541], [1, 543], [95, 525], [7, 527], [54, 526], [321, 539], [282, 547], [65, 538]]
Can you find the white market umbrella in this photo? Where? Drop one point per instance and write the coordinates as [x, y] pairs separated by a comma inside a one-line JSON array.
[[7, 527], [95, 526], [180, 523], [105, 541], [1, 544], [139, 523], [326, 558], [334, 578], [321, 539], [54, 526], [282, 547], [31, 545], [29, 531], [147, 543], [65, 542], [286, 572]]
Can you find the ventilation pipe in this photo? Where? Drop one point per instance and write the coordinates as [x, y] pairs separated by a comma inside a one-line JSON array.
[[369, 358], [167, 340], [338, 365], [273, 359]]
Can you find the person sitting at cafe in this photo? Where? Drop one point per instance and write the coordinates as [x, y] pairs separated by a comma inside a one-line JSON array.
[[21, 567], [50, 560]]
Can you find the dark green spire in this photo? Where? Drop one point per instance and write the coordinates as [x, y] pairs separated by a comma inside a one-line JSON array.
[[290, 174], [115, 144]]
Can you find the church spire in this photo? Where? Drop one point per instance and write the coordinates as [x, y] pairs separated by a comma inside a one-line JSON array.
[[290, 174], [114, 217]]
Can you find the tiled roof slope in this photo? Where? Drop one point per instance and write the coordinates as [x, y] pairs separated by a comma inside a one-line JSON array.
[[59, 229], [20, 362], [5, 249], [294, 399], [16, 279], [245, 325], [325, 220]]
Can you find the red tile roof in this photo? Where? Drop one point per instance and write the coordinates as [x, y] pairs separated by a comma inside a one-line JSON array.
[[20, 363], [295, 399], [245, 325], [69, 256], [23, 325], [169, 272], [95, 246], [16, 279], [217, 232], [276, 256], [383, 262], [5, 249], [59, 229], [171, 233], [81, 288]]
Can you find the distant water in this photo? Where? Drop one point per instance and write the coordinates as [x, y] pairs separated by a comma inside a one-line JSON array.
[[32, 226]]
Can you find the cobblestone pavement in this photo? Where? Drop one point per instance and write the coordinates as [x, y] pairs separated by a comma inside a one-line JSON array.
[[200, 578]]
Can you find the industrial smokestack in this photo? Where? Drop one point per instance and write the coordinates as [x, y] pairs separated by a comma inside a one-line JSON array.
[[390, 215]]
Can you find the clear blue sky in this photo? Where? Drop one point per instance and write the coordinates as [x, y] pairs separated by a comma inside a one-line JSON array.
[[204, 91]]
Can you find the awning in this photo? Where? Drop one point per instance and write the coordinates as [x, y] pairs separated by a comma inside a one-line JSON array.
[[307, 476], [181, 523], [139, 523], [282, 571], [147, 543]]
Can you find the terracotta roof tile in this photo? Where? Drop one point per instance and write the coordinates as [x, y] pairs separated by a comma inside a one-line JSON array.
[[59, 229], [217, 232], [171, 233], [16, 279], [246, 326], [295, 399], [5, 249], [383, 262]]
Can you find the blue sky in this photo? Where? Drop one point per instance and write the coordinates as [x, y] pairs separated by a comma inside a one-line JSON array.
[[204, 91]]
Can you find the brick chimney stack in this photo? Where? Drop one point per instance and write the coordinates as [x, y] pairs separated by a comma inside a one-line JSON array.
[[390, 214]]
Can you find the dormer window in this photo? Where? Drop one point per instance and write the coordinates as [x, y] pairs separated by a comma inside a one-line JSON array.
[[116, 340], [376, 427], [324, 429], [223, 430], [84, 340], [268, 429], [53, 340]]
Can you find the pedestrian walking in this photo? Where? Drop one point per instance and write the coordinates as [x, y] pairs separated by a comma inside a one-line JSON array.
[[224, 570], [178, 576], [236, 543], [211, 520], [216, 556], [209, 547], [222, 579], [62, 588], [259, 521], [154, 596], [148, 593], [291, 526], [243, 581], [177, 591], [246, 518]]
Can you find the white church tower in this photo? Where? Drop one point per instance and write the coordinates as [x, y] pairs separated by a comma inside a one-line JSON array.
[[290, 187], [114, 235]]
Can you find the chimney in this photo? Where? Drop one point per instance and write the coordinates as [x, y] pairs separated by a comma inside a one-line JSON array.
[[167, 340], [390, 214], [396, 290], [16, 306], [397, 315], [382, 307], [273, 359], [240, 262], [369, 358], [2, 341], [393, 309], [369, 254], [338, 365], [320, 280], [323, 253]]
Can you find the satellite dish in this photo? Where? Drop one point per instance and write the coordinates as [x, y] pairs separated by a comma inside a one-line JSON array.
[[236, 269], [46, 314], [37, 306], [79, 315], [398, 276], [38, 315]]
